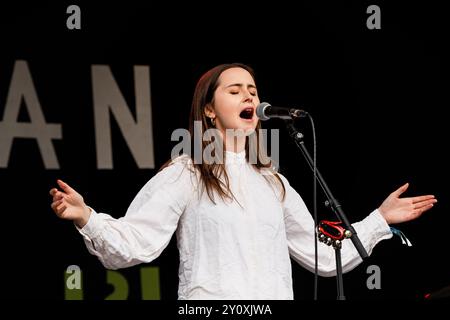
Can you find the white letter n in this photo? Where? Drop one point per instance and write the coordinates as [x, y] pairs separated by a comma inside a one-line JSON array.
[[138, 134]]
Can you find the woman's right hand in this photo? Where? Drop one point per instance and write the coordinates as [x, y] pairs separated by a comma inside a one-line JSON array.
[[69, 204]]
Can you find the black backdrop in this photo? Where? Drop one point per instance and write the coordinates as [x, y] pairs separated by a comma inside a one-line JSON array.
[[377, 97]]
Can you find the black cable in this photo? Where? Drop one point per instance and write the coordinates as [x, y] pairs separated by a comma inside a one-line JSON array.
[[316, 269]]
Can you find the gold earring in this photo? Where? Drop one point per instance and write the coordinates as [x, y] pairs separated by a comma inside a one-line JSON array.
[[213, 121]]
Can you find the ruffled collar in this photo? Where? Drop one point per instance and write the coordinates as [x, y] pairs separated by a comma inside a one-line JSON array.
[[235, 157]]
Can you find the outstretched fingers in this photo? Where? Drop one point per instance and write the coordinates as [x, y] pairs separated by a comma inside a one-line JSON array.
[[397, 193], [418, 212], [58, 206], [61, 208], [66, 188], [424, 203], [422, 198], [58, 195]]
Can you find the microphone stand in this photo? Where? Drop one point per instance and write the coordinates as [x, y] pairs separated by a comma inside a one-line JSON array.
[[335, 206]]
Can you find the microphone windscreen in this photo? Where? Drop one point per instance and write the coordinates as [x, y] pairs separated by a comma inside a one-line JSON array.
[[260, 110]]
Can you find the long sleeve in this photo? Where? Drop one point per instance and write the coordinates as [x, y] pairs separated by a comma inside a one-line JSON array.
[[300, 236], [148, 225]]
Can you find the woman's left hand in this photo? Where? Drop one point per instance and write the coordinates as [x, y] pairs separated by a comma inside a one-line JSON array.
[[396, 210]]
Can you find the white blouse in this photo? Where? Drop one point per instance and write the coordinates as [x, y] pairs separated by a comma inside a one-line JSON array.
[[227, 250]]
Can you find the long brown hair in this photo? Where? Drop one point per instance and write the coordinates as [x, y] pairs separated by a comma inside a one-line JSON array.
[[211, 173]]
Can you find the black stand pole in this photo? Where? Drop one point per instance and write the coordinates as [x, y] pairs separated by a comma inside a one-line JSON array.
[[333, 203], [335, 241], [339, 280]]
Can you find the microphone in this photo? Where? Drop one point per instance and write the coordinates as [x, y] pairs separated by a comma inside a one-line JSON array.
[[264, 111]]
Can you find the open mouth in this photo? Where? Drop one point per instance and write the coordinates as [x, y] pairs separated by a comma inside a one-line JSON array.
[[247, 113]]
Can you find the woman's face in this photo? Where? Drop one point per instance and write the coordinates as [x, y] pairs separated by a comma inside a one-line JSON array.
[[235, 101]]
